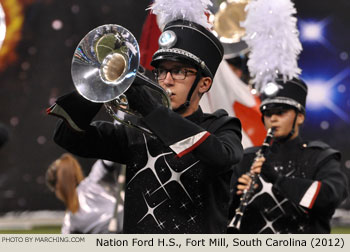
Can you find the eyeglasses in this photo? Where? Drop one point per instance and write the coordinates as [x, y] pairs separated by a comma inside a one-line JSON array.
[[176, 73], [276, 111]]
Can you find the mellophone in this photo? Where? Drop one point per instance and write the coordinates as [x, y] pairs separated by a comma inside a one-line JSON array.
[[105, 64]]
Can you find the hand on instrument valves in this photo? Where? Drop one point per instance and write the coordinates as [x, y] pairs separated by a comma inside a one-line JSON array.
[[140, 98]]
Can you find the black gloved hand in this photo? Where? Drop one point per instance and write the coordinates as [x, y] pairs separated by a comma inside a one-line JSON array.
[[140, 97], [80, 110], [269, 172]]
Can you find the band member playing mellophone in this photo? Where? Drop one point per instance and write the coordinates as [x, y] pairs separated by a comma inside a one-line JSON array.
[[177, 177], [300, 184]]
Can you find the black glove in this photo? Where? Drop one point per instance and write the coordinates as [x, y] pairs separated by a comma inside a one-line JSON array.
[[80, 110], [269, 172], [140, 97]]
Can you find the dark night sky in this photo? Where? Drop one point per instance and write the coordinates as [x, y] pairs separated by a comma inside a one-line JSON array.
[[41, 74]]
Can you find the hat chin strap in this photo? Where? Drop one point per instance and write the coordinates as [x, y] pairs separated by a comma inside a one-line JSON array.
[[291, 133], [185, 105]]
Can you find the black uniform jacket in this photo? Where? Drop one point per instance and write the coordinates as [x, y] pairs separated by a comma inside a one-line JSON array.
[[303, 199], [177, 182]]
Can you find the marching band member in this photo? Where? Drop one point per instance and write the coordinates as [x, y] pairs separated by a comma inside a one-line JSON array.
[[178, 181], [301, 182]]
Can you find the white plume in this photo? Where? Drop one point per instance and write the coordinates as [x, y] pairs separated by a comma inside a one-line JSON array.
[[191, 10], [272, 35]]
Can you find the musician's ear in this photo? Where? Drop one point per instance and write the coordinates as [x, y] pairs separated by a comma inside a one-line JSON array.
[[204, 85], [300, 118]]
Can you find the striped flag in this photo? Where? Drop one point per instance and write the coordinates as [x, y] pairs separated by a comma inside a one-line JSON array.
[[230, 93]]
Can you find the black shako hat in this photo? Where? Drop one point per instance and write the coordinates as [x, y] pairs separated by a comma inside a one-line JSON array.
[[186, 40], [279, 93]]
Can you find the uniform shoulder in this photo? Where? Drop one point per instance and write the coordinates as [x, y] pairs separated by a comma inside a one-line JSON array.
[[324, 149], [317, 144], [218, 119], [217, 114], [251, 150]]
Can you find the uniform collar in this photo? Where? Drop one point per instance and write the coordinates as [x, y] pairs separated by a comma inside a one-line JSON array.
[[287, 145], [196, 116]]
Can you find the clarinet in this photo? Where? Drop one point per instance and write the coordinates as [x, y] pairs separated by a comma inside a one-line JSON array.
[[249, 192]]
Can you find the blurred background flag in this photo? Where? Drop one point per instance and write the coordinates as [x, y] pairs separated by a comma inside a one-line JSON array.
[[149, 40], [233, 95]]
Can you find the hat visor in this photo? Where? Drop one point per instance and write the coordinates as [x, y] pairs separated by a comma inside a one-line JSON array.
[[284, 104], [173, 57], [276, 106]]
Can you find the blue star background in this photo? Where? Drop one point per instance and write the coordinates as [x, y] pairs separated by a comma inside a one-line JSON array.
[[325, 64], [49, 35]]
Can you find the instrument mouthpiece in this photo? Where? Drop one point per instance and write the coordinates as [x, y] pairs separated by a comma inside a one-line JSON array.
[[168, 92]]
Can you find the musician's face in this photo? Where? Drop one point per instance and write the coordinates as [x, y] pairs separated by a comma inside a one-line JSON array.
[[282, 121], [178, 79]]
